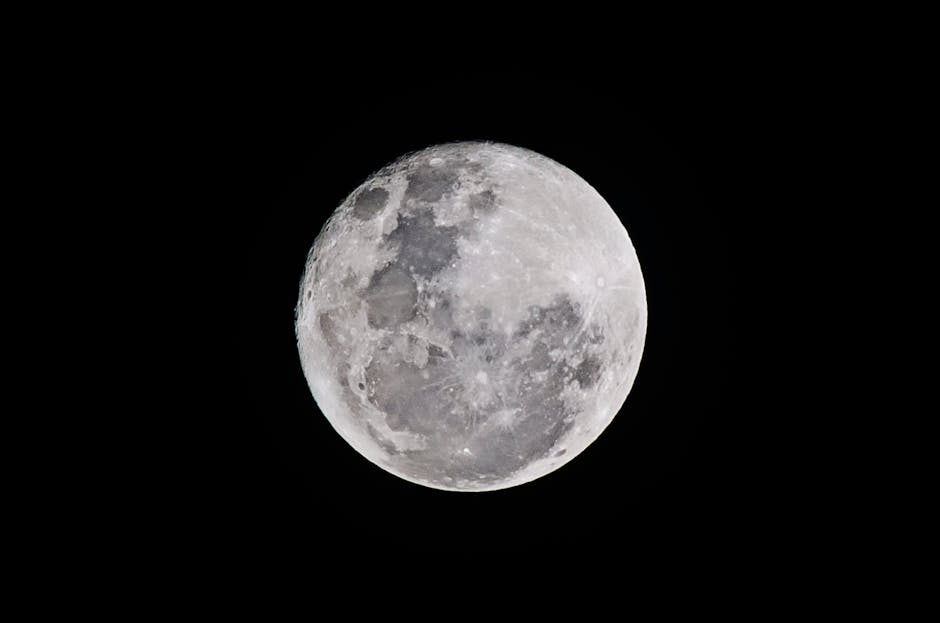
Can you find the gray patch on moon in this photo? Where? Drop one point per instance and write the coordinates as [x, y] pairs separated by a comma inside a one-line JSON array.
[[456, 399], [588, 371], [483, 202], [423, 248], [329, 331], [391, 297], [369, 203], [429, 183], [561, 315], [441, 314], [409, 401], [435, 351]]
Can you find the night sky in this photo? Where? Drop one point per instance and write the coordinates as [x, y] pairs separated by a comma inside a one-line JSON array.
[[669, 151]]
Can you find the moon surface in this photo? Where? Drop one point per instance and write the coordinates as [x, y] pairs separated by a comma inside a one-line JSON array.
[[471, 317]]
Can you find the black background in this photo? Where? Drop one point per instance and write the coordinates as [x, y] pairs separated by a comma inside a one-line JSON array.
[[668, 145]]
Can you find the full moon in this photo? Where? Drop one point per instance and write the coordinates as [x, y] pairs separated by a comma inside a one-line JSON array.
[[471, 317]]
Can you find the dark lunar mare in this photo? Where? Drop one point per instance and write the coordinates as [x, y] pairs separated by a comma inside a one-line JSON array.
[[483, 203], [424, 248], [391, 296], [369, 203], [427, 183], [439, 407]]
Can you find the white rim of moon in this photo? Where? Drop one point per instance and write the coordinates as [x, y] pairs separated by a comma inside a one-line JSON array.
[[471, 317]]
